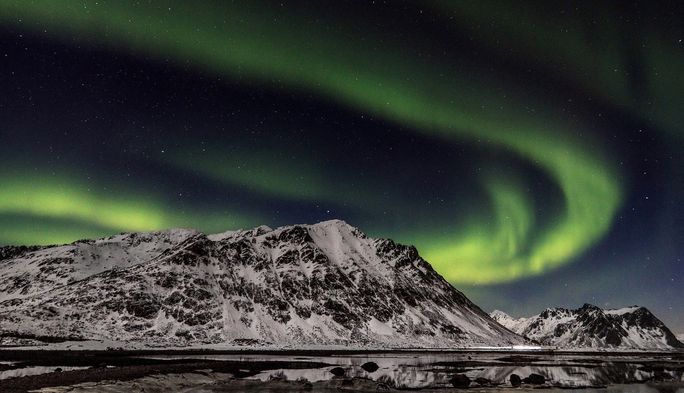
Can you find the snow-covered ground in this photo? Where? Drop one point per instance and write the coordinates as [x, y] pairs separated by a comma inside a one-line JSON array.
[[36, 370], [197, 381]]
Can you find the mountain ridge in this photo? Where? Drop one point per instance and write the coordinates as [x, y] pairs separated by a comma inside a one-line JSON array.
[[589, 326], [319, 284]]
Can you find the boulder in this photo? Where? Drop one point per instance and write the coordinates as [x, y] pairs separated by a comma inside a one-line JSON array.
[[337, 371], [370, 367], [535, 379], [460, 381]]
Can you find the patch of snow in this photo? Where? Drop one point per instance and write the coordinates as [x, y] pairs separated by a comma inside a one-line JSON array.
[[621, 311], [36, 370], [198, 381]]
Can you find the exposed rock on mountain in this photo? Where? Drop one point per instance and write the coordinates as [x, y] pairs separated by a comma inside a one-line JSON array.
[[299, 285], [591, 327]]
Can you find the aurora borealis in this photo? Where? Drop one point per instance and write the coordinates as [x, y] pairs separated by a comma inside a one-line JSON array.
[[530, 152]]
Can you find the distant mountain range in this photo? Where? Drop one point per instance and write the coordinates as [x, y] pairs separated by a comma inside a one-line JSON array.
[[297, 286], [592, 327], [300, 285]]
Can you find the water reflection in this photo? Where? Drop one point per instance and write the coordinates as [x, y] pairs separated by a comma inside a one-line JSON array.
[[610, 373]]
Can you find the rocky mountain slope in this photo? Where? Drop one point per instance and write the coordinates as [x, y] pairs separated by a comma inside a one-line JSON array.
[[321, 284], [592, 327]]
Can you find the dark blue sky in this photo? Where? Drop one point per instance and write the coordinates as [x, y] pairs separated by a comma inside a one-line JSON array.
[[530, 150]]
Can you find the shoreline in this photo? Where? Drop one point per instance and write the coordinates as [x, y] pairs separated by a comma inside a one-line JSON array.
[[306, 369]]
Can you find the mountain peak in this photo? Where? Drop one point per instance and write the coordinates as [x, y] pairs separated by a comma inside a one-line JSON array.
[[499, 314], [590, 307], [257, 231], [318, 284], [590, 326], [335, 228], [335, 222]]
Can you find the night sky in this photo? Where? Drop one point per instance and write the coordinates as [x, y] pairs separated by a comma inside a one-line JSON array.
[[531, 150]]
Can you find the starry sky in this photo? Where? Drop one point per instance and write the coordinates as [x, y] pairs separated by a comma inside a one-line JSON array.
[[531, 150]]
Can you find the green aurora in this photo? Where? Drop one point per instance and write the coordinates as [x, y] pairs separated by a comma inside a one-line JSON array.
[[603, 69], [56, 209], [455, 105]]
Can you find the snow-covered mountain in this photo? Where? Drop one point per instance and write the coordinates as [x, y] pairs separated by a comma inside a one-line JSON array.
[[592, 327], [321, 284]]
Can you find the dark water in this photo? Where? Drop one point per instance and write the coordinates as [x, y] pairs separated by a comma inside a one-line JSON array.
[[213, 372], [430, 370]]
